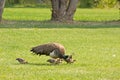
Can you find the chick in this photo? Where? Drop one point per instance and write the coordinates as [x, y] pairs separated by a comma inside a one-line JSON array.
[[70, 60], [21, 61], [54, 61]]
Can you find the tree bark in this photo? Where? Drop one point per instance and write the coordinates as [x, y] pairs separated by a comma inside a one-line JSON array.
[[55, 9], [2, 3], [71, 9], [63, 10]]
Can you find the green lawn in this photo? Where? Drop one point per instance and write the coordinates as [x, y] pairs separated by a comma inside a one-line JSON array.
[[96, 47], [45, 14]]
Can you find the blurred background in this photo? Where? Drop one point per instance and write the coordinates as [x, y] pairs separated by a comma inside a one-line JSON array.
[[47, 3]]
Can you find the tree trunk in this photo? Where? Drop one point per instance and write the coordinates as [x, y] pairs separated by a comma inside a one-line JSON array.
[[63, 10], [2, 3]]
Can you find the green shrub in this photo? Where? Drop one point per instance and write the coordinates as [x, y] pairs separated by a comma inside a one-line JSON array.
[[106, 3], [98, 3]]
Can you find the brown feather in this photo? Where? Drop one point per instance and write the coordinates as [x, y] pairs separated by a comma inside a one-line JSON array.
[[46, 49]]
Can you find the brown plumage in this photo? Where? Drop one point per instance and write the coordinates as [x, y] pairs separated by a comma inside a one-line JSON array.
[[54, 61], [54, 50], [21, 61], [46, 49]]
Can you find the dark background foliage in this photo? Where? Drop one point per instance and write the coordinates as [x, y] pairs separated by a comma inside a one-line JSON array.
[[47, 3]]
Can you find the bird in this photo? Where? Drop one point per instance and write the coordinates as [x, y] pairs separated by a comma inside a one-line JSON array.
[[54, 61], [54, 50], [21, 61], [70, 60]]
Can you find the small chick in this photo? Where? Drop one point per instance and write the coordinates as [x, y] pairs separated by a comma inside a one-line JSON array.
[[21, 61], [54, 61], [70, 60]]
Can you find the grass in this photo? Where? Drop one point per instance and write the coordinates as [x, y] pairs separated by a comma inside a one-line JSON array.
[[39, 14], [95, 46]]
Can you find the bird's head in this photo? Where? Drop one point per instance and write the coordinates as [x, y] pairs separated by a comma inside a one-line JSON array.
[[69, 59]]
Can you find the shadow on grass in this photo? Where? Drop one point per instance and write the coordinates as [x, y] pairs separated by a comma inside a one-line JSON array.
[[51, 24], [39, 64], [36, 64], [42, 64]]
